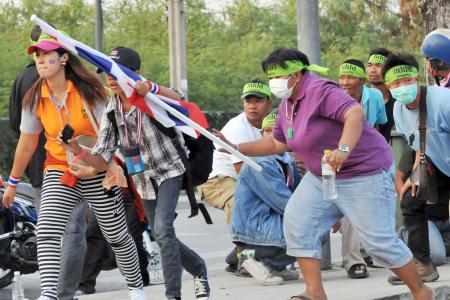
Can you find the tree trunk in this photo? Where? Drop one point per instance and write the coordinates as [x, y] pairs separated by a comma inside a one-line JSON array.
[[435, 14]]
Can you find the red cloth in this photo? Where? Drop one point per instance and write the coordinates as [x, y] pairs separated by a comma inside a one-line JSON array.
[[67, 178], [137, 198]]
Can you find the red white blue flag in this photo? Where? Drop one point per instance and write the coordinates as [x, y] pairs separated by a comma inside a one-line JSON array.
[[125, 78]]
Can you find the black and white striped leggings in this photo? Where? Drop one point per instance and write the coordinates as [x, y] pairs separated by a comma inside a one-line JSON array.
[[57, 203]]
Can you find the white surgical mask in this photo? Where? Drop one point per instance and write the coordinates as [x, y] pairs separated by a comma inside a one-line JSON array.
[[279, 87]]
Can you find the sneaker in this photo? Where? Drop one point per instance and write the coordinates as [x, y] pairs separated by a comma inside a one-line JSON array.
[[261, 273], [286, 274], [427, 273], [201, 288], [44, 298], [138, 294]]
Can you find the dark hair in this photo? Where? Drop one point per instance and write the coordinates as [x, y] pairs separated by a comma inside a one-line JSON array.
[[36, 32], [355, 62], [394, 60], [380, 51], [257, 80], [87, 83], [280, 55]]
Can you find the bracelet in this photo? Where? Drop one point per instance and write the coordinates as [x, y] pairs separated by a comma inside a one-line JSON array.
[[13, 181], [237, 148], [82, 154], [154, 88]]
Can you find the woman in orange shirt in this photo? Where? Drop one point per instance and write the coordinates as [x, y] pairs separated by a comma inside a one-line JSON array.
[[62, 95]]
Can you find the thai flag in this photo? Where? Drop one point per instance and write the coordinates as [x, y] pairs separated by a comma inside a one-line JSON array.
[[125, 78]]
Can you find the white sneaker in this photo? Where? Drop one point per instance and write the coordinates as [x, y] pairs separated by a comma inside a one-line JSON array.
[[138, 294], [286, 274], [261, 273], [44, 298]]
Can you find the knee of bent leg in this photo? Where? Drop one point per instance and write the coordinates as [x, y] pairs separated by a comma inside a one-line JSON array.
[[163, 229]]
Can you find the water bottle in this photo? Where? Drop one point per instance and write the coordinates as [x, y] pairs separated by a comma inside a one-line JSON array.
[[17, 288], [328, 178]]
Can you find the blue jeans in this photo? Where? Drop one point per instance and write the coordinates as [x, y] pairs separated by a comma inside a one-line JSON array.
[[174, 254], [368, 202], [73, 250]]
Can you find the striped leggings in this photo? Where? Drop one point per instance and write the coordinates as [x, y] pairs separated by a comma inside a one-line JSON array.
[[57, 203]]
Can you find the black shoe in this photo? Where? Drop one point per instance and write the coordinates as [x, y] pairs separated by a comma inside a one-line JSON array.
[[201, 288], [358, 271], [231, 268]]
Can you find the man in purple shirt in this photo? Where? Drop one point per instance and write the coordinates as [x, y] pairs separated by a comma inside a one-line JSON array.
[[314, 115]]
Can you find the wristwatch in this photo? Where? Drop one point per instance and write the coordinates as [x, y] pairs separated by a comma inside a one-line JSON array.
[[344, 148]]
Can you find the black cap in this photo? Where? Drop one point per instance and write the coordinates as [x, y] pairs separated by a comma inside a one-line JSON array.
[[126, 57]]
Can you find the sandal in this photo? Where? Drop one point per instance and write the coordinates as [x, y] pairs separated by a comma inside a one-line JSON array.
[[300, 297], [358, 271]]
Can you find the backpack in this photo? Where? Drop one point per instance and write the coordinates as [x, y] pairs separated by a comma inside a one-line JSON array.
[[199, 163]]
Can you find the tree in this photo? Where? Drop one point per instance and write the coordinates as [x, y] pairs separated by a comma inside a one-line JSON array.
[[435, 14]]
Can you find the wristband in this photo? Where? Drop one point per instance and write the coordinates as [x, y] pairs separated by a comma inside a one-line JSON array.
[[237, 148], [13, 181], [154, 88], [81, 155]]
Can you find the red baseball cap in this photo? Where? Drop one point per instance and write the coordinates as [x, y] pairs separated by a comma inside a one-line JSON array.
[[46, 43]]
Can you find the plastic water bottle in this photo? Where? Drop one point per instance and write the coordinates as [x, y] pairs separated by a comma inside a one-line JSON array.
[[328, 178], [17, 288]]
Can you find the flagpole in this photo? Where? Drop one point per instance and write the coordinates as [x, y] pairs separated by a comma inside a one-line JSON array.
[[203, 131], [50, 30]]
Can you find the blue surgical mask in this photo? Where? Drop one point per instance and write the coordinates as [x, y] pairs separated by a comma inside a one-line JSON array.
[[405, 94]]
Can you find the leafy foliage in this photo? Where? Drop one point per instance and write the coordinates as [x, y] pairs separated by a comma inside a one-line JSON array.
[[224, 48]]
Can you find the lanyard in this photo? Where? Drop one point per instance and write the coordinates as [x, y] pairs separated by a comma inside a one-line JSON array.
[[138, 122], [59, 107], [290, 119]]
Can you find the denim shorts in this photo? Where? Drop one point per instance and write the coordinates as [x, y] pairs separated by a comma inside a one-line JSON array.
[[369, 204]]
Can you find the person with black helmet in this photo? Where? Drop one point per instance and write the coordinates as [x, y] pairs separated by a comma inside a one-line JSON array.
[[435, 47]]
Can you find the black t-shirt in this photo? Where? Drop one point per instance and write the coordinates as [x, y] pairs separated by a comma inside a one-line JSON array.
[[385, 129], [21, 85]]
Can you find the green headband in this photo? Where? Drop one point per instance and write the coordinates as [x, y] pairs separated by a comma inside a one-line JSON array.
[[269, 120], [352, 70], [292, 66], [377, 59], [256, 88], [399, 72]]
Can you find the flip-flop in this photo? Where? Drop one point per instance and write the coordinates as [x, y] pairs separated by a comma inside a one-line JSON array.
[[300, 297]]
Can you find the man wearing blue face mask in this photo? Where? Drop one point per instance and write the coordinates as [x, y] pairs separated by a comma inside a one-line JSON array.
[[400, 74]]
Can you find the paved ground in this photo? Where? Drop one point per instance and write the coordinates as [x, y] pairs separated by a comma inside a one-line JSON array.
[[213, 243]]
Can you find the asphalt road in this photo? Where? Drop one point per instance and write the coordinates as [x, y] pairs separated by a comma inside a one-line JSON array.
[[212, 242]]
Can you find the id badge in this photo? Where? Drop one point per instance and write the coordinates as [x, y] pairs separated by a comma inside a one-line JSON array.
[[133, 160]]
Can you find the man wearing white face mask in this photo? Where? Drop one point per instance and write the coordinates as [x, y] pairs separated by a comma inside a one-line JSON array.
[[400, 74], [315, 115]]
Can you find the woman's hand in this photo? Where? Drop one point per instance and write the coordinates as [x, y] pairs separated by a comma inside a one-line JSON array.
[[220, 136], [142, 87], [8, 196], [72, 145], [336, 159], [82, 171]]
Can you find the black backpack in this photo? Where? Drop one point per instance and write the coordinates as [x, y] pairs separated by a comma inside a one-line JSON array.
[[198, 165]]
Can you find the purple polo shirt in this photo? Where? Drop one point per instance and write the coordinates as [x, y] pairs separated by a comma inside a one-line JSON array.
[[318, 123]]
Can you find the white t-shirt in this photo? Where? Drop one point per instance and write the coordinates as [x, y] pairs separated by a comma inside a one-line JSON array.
[[237, 130]]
